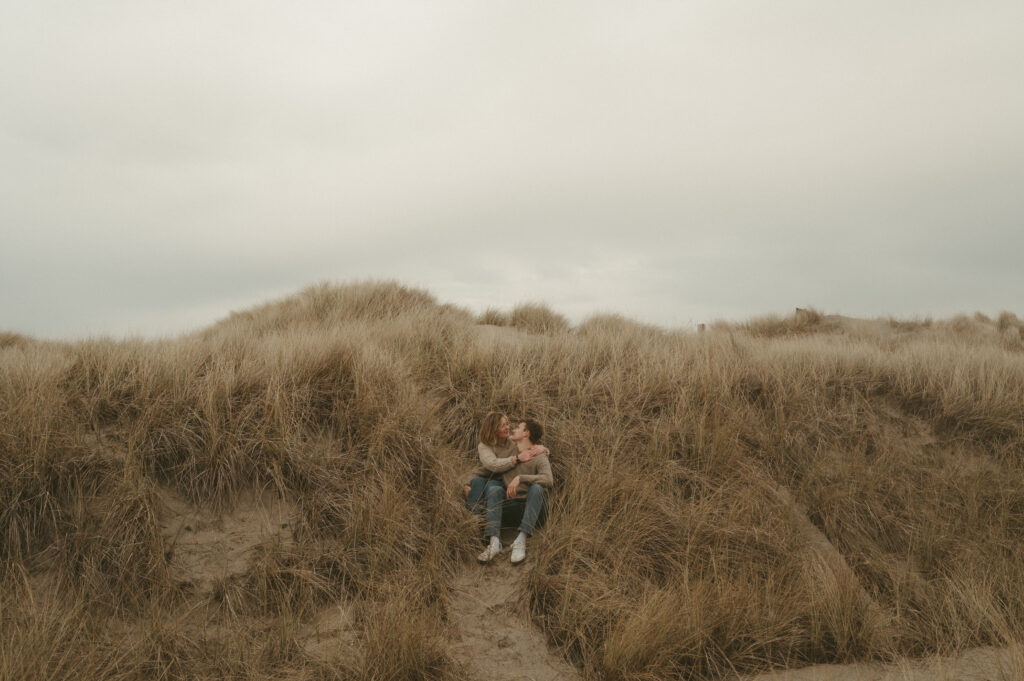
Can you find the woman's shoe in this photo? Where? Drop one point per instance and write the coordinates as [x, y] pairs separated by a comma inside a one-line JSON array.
[[489, 553], [518, 553]]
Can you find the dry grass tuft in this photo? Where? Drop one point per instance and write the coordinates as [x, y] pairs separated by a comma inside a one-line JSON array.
[[530, 317], [13, 340], [803, 321], [537, 318], [494, 317]]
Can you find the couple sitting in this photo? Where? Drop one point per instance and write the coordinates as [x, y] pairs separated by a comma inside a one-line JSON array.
[[515, 472]]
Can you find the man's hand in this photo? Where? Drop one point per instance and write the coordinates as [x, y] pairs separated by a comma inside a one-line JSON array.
[[513, 487]]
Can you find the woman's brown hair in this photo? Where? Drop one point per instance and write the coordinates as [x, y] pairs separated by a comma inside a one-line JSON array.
[[489, 428]]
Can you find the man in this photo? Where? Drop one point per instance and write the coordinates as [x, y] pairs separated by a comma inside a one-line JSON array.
[[525, 484]]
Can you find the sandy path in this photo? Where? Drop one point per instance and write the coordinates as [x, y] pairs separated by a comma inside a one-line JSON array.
[[980, 664], [497, 641]]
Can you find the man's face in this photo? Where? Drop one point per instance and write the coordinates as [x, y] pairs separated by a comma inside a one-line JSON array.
[[520, 431]]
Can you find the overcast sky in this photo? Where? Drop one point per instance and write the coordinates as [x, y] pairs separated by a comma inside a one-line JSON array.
[[164, 163]]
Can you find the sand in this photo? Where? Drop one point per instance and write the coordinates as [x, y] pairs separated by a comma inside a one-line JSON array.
[[207, 547], [497, 641]]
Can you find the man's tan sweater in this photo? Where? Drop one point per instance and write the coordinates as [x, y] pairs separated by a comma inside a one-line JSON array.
[[536, 471]]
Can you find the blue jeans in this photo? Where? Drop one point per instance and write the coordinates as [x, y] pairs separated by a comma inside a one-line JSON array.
[[488, 497], [536, 508]]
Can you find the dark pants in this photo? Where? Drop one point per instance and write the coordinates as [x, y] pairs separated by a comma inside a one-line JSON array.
[[488, 497]]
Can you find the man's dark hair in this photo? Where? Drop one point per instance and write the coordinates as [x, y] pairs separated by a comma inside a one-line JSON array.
[[535, 430]]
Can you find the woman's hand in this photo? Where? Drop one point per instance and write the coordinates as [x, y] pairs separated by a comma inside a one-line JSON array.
[[533, 451], [513, 487]]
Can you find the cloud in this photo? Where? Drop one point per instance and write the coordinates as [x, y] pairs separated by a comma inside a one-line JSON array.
[[673, 161]]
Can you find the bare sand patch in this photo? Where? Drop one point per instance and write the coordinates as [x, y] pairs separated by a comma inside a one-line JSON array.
[[207, 547], [331, 635], [497, 641]]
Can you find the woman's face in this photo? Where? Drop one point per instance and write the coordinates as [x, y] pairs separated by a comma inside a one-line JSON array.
[[503, 429]]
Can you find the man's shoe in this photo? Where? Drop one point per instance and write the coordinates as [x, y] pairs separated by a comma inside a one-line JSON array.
[[518, 553], [489, 553]]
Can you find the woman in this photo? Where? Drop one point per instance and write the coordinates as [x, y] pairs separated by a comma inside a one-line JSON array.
[[499, 454]]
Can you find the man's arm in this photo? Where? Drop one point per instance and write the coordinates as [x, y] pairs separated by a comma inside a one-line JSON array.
[[543, 476], [491, 462]]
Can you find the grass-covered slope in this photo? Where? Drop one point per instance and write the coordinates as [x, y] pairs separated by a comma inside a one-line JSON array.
[[668, 553]]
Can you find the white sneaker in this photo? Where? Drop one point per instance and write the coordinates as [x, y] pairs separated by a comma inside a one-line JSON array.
[[489, 553], [518, 553]]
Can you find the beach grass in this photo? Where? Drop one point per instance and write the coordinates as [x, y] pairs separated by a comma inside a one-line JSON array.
[[667, 553]]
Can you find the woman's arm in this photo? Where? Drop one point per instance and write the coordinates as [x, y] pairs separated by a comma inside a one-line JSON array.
[[533, 451], [491, 462]]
